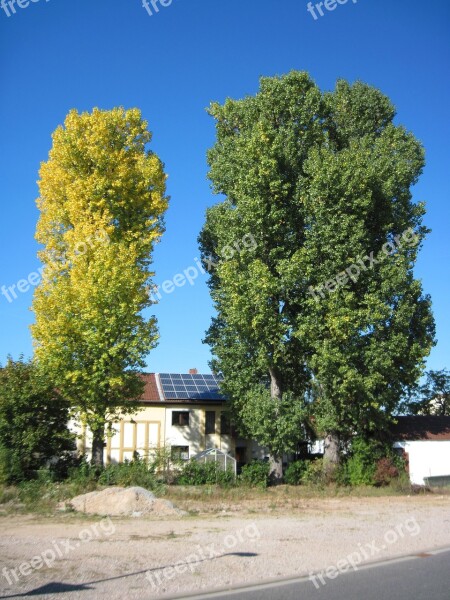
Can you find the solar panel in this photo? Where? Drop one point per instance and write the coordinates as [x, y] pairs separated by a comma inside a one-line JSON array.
[[190, 387]]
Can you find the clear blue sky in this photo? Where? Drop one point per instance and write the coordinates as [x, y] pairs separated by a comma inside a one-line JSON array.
[[65, 54]]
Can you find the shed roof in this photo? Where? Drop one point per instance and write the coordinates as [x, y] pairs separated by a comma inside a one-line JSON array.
[[431, 428]]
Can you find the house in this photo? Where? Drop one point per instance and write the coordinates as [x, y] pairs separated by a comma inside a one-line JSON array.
[[185, 412], [426, 441]]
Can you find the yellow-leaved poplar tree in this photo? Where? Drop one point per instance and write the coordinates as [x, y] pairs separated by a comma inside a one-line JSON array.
[[102, 201]]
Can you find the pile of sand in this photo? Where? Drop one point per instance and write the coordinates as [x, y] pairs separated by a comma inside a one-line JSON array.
[[120, 501]]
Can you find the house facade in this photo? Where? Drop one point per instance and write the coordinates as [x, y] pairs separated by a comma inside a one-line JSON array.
[[183, 412]]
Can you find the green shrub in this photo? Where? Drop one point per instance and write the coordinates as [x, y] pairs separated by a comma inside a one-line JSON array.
[[33, 421], [255, 474], [205, 473], [162, 465], [362, 463], [130, 473], [84, 473], [341, 475], [61, 467], [295, 472], [5, 465], [314, 473], [32, 492]]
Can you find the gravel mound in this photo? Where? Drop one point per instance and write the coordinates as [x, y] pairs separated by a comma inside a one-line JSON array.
[[120, 502]]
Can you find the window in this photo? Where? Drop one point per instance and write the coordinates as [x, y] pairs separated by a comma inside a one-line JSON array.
[[179, 452], [210, 422], [180, 418], [225, 425]]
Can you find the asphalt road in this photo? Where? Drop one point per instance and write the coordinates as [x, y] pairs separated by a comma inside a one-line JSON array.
[[421, 577]]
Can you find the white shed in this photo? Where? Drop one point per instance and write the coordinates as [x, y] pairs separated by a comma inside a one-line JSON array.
[[426, 441]]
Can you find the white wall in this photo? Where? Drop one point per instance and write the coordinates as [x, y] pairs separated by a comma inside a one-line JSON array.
[[184, 436], [426, 459]]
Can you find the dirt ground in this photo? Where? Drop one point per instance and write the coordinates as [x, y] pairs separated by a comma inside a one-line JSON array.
[[216, 546]]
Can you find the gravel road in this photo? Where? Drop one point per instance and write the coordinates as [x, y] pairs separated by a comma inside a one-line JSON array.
[[74, 557]]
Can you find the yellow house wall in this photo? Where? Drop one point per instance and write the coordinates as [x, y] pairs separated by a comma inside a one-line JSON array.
[[151, 428]]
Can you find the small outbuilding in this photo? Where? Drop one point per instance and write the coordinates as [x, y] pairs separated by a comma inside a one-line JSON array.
[[426, 442]]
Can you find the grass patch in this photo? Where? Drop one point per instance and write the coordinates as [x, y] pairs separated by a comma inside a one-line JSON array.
[[42, 496]]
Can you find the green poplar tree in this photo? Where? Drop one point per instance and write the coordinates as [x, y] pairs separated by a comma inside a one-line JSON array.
[[321, 181]]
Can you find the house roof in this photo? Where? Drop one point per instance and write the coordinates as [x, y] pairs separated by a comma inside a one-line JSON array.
[[181, 388], [423, 428], [151, 393]]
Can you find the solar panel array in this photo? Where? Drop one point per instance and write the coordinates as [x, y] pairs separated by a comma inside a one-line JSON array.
[[190, 387]]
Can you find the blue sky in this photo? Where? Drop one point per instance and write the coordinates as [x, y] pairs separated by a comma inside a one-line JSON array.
[[62, 54]]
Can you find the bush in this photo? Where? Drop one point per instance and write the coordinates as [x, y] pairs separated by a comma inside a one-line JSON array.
[[371, 463], [385, 471], [60, 467], [205, 473], [361, 465], [295, 472], [314, 474], [255, 474], [164, 468], [33, 421], [135, 472], [5, 465]]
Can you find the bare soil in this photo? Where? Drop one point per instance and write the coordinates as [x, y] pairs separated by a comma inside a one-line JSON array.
[[223, 541]]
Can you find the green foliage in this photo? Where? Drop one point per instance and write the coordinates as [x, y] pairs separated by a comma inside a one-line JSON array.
[[205, 473], [276, 425], [5, 465], [360, 466], [84, 474], [60, 468], [33, 421], [162, 464], [433, 397], [370, 463], [255, 474], [314, 473], [322, 181], [295, 472], [130, 473]]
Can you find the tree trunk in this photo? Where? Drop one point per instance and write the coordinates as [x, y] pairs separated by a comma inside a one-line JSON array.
[[275, 460], [98, 444], [276, 469], [331, 455]]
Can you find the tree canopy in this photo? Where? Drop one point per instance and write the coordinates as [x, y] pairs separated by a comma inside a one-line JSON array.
[[432, 397], [324, 318], [33, 421], [102, 201]]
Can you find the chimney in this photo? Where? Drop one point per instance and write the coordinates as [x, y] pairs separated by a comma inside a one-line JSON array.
[[193, 371]]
